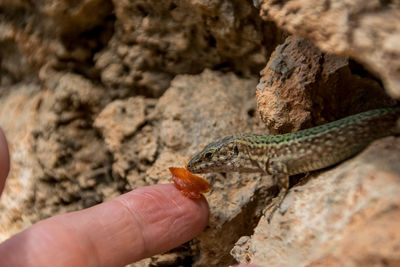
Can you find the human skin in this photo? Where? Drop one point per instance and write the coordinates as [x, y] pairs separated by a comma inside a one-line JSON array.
[[133, 226]]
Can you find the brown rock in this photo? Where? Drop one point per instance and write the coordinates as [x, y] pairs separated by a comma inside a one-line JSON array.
[[148, 49], [63, 34], [17, 118], [120, 122], [347, 215], [81, 63], [202, 104], [365, 30], [302, 87], [119, 119], [173, 134], [61, 164], [159, 172], [210, 106]]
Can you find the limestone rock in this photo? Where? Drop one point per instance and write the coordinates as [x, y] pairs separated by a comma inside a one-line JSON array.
[[367, 31], [58, 156], [202, 104], [148, 49], [132, 143], [346, 215], [99, 97], [62, 34], [17, 119], [302, 87], [119, 119]]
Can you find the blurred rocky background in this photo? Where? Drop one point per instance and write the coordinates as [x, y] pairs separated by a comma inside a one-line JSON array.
[[98, 97]]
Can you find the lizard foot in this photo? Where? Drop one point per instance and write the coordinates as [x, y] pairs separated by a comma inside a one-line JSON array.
[[275, 205]]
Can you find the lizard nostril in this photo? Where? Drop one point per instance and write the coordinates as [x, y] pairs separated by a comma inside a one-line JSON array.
[[208, 155], [236, 150]]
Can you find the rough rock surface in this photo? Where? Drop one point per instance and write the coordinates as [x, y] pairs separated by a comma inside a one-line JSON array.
[[61, 163], [345, 216], [69, 156], [156, 40], [62, 34], [98, 97], [202, 105], [368, 31], [15, 203], [302, 87]]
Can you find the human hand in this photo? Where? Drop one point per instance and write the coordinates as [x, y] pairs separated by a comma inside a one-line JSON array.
[[133, 226], [136, 225]]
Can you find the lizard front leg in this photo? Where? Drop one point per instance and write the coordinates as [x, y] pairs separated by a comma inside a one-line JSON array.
[[278, 170]]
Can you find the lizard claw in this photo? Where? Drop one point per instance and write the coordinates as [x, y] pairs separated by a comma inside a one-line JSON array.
[[275, 205]]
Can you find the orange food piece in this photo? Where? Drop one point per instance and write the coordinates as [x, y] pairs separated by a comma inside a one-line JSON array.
[[190, 185]]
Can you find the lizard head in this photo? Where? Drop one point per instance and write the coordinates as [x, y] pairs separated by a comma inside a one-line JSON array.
[[223, 155]]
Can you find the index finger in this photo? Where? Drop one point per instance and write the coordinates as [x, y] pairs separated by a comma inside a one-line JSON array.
[[138, 224]]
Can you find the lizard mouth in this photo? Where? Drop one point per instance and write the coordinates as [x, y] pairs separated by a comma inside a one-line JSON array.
[[199, 168], [237, 164], [205, 167]]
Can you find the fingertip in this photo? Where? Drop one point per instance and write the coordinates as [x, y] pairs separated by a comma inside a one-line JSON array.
[[4, 160], [171, 198], [151, 220], [174, 219], [136, 225]]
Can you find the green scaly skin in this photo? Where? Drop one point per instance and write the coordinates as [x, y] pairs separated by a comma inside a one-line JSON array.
[[299, 152]]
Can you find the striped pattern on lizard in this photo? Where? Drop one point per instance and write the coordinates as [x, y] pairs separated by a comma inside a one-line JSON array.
[[299, 152]]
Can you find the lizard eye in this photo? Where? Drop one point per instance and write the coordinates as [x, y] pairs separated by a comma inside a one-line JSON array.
[[208, 155]]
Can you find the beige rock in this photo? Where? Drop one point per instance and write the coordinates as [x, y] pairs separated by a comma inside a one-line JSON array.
[[148, 49], [159, 173], [58, 162], [63, 34], [365, 30], [173, 134], [344, 216], [17, 118], [202, 104], [210, 106], [80, 63], [119, 119], [120, 122]]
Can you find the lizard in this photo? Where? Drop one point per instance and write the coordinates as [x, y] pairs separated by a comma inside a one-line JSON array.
[[299, 152]]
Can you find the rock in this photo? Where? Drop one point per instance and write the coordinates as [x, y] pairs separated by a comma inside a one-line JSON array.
[[18, 111], [159, 173], [302, 87], [62, 34], [62, 163], [346, 215], [120, 122], [210, 106], [367, 31], [69, 69], [173, 134], [202, 105], [119, 119], [149, 49], [241, 250]]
